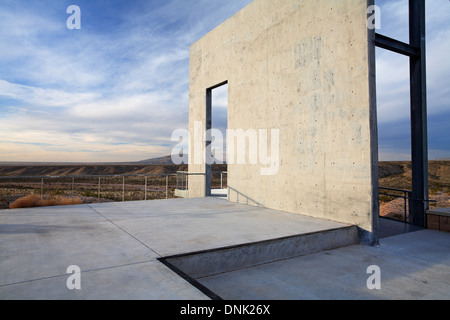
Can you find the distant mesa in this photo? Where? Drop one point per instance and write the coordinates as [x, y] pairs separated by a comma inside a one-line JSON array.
[[168, 160], [155, 161]]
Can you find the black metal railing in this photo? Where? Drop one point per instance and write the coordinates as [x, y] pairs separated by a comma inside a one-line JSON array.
[[406, 195]]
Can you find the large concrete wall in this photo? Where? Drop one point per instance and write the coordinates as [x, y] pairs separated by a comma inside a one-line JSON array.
[[306, 68]]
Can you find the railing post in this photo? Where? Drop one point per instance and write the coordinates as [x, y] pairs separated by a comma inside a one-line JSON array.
[[98, 194], [123, 189], [182, 180], [410, 206], [42, 192], [10, 190], [167, 187], [405, 197], [73, 184], [145, 188]]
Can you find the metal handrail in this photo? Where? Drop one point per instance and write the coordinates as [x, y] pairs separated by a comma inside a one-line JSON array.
[[186, 174], [99, 177], [405, 191], [394, 189], [184, 178], [406, 197], [91, 176]]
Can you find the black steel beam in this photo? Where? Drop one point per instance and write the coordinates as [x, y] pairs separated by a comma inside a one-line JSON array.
[[396, 46], [419, 135]]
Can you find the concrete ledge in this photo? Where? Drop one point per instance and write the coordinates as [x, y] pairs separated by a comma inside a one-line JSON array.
[[439, 219], [445, 212], [211, 262], [181, 193]]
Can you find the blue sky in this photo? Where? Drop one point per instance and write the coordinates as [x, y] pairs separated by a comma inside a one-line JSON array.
[[393, 82], [116, 89]]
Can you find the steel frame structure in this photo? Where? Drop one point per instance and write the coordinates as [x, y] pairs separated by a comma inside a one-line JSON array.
[[416, 51]]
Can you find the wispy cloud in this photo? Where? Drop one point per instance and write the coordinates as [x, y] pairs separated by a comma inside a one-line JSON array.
[[116, 89], [393, 88], [44, 97], [112, 91]]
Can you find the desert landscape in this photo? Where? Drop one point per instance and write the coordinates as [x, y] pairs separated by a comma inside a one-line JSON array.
[[66, 184], [59, 184], [397, 175]]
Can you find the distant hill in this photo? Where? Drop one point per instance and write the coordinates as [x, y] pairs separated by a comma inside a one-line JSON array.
[[397, 174], [160, 160], [154, 161], [160, 165]]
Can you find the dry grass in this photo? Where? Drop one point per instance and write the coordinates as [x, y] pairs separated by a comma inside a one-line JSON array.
[[33, 200]]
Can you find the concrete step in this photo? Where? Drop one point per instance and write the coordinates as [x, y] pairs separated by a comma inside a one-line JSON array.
[[201, 264]]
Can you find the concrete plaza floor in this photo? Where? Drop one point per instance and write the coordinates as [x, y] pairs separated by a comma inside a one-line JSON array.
[[117, 247]]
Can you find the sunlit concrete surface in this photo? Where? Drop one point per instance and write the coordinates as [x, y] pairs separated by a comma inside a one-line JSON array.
[[222, 193], [412, 266], [117, 247]]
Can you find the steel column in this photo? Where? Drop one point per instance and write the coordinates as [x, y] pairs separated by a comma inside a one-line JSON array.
[[419, 135]]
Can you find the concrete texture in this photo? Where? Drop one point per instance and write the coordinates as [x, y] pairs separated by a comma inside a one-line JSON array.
[[220, 260], [413, 266], [117, 247], [305, 68]]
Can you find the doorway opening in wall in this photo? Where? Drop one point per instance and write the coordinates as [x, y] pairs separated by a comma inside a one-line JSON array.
[[394, 142], [218, 171]]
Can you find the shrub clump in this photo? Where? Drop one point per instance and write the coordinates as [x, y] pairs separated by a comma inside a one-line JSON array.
[[32, 201]]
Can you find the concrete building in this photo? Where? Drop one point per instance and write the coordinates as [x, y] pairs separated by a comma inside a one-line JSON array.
[[306, 71]]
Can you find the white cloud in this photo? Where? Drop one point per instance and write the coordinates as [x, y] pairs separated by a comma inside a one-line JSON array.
[[42, 97], [119, 93], [393, 69]]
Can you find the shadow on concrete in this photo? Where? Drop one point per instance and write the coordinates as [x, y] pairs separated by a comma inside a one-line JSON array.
[[36, 229], [390, 227], [242, 198]]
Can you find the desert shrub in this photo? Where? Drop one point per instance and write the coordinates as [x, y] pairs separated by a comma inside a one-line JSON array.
[[435, 190], [384, 198], [89, 193], [33, 200], [61, 201], [26, 202]]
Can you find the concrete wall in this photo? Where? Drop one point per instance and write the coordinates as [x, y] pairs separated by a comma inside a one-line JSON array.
[[305, 68]]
